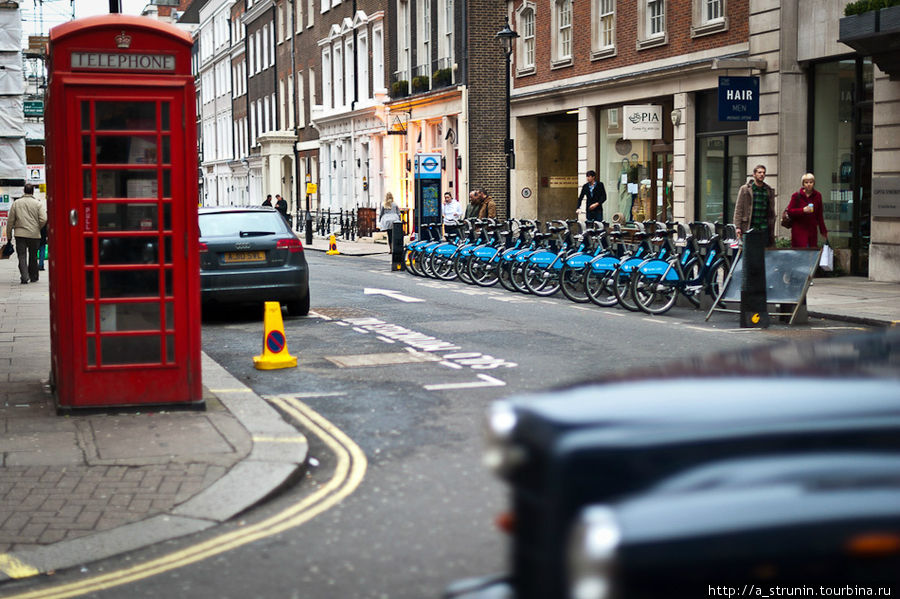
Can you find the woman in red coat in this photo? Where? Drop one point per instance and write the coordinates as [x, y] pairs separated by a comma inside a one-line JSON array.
[[805, 210]]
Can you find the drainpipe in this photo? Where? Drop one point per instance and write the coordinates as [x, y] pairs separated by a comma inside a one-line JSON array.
[[293, 93]]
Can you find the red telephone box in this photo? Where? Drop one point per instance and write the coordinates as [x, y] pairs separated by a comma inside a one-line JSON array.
[[122, 202]]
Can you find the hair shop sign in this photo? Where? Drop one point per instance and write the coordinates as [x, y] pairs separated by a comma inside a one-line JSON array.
[[643, 122]]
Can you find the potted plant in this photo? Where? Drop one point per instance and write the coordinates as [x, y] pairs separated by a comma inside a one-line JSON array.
[[442, 77], [872, 28], [400, 88], [419, 83], [865, 18]]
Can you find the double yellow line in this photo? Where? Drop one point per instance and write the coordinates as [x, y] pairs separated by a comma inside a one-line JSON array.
[[348, 474]]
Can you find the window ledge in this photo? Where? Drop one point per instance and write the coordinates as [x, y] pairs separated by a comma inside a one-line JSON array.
[[561, 63], [526, 71], [653, 42], [603, 53], [717, 26]]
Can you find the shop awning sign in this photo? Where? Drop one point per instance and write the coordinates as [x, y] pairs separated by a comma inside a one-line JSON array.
[[643, 122], [738, 98]]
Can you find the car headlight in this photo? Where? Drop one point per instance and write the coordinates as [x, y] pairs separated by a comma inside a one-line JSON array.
[[592, 553], [500, 454]]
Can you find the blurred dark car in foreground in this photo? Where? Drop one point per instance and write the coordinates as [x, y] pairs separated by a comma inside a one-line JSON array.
[[251, 255], [767, 467]]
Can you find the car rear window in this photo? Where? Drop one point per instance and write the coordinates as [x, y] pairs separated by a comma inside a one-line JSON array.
[[232, 224]]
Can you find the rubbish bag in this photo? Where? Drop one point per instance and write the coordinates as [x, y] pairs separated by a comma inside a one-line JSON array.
[[826, 261]]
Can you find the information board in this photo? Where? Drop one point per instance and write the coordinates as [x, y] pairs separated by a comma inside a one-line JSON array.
[[788, 274]]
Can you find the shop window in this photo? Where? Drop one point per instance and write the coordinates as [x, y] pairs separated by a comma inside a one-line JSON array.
[[651, 24], [841, 124], [526, 41], [721, 161], [708, 17], [603, 36], [561, 28]]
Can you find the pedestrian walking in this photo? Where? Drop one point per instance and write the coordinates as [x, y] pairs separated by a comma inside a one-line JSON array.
[[807, 218], [755, 206], [42, 248], [268, 201], [26, 217], [451, 211], [594, 194], [390, 214], [281, 206], [488, 206]]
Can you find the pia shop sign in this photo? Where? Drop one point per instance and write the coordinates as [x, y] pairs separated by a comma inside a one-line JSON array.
[[643, 122]]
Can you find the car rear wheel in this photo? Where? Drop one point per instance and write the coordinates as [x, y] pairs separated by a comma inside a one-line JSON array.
[[299, 307]]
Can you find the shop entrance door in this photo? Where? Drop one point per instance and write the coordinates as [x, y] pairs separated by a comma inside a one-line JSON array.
[[129, 280], [661, 183]]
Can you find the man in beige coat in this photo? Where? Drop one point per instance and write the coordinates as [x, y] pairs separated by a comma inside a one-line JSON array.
[[26, 217]]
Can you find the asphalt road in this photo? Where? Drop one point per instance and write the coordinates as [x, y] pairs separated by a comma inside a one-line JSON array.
[[421, 514]]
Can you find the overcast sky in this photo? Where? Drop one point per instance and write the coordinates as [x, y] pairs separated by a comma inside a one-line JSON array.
[[40, 17]]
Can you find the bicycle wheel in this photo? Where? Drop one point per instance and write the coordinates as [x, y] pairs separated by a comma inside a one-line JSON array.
[[517, 276], [693, 285], [621, 284], [715, 279], [572, 283], [652, 294], [461, 267], [504, 275], [483, 272], [598, 288], [442, 267], [543, 282], [424, 265], [410, 259]]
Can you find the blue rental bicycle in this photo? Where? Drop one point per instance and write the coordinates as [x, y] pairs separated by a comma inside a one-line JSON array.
[[701, 267]]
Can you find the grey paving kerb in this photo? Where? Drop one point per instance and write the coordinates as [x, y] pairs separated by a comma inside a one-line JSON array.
[[78, 488]]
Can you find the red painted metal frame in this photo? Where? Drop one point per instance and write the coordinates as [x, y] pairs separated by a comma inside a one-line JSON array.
[[76, 381]]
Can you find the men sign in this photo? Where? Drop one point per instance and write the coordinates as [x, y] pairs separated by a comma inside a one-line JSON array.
[[738, 98]]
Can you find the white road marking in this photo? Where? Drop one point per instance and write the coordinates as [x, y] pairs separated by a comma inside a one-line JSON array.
[[486, 381], [391, 294]]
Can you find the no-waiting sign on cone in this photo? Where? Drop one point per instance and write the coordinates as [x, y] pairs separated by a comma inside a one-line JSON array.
[[275, 352], [332, 246]]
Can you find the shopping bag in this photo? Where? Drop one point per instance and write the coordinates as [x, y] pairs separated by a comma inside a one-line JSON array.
[[8, 250], [826, 261]]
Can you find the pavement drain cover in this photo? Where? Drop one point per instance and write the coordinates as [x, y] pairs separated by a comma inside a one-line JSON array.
[[383, 359]]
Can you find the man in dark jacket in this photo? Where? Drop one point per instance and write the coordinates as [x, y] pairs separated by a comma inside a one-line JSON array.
[[594, 195], [281, 205]]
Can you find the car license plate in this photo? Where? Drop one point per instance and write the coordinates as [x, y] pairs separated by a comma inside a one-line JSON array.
[[233, 257]]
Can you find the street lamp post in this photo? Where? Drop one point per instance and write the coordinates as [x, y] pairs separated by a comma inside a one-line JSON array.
[[308, 223], [506, 37]]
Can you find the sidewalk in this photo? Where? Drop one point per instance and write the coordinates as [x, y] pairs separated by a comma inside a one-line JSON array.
[[849, 299], [76, 489]]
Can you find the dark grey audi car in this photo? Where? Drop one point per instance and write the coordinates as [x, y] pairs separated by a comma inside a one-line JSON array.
[[251, 255]]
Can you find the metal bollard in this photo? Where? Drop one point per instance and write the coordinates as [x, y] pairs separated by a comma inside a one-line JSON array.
[[754, 312], [397, 261]]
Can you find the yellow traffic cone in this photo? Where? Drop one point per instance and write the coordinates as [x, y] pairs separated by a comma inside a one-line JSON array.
[[332, 246], [275, 352]]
